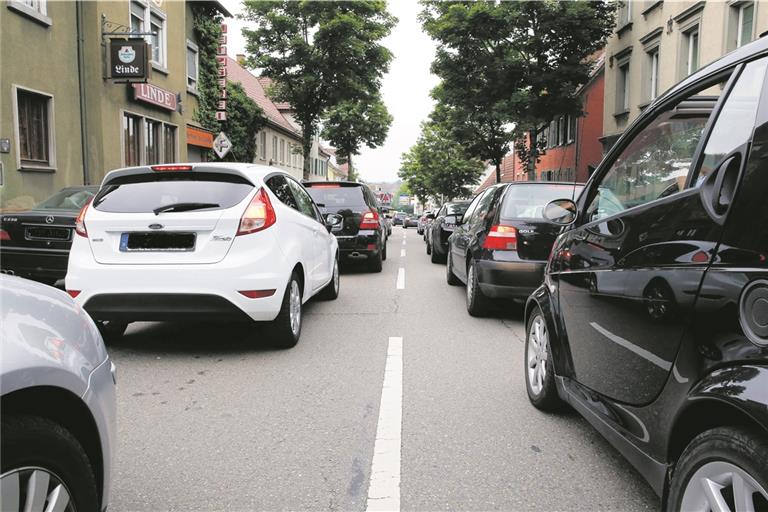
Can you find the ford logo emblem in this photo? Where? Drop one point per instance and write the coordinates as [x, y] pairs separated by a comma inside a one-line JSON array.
[[49, 219], [155, 226]]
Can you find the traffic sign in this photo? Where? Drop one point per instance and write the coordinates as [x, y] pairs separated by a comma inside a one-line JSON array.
[[221, 145]]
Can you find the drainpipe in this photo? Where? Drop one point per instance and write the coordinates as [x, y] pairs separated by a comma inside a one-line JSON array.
[[81, 86]]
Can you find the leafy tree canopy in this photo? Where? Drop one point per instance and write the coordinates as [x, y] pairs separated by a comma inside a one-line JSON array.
[[318, 54]]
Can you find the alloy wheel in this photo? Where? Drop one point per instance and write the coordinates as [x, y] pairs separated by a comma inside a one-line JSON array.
[[295, 310], [537, 355], [34, 489], [336, 276], [722, 486], [470, 283]]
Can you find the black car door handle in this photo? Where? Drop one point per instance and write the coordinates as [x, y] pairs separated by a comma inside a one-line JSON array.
[[719, 188]]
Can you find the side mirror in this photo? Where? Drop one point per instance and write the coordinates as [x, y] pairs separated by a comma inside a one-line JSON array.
[[431, 216], [332, 221], [561, 212], [452, 219]]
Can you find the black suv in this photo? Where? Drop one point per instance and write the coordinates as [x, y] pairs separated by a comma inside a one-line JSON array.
[[363, 233], [652, 321]]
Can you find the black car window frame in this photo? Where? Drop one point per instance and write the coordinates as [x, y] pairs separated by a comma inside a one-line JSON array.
[[293, 204], [298, 192], [473, 206], [729, 75], [486, 202]]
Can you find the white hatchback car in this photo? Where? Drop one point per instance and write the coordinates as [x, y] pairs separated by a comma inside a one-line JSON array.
[[202, 241]]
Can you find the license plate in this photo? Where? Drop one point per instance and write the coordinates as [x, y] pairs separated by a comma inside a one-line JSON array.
[[157, 242], [46, 233]]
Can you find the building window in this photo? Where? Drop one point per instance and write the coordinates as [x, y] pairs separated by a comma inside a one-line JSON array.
[[561, 135], [169, 143], [622, 89], [146, 19], [741, 24], [571, 129], [34, 123], [192, 66], [282, 151], [263, 144], [131, 140], [152, 142], [691, 50], [653, 73], [274, 148], [625, 13]]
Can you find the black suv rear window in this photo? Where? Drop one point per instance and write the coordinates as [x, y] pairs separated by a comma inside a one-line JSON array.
[[140, 193], [334, 197], [528, 201]]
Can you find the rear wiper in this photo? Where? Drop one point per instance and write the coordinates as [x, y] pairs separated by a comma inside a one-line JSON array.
[[183, 207]]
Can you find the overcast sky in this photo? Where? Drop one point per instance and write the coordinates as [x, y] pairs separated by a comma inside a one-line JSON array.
[[405, 89]]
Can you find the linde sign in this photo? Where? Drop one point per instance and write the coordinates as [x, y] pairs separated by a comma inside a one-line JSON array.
[[128, 59], [155, 95]]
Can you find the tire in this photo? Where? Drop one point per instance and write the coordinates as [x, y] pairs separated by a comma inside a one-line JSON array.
[[286, 328], [477, 303], [719, 455], [539, 369], [429, 248], [435, 257], [384, 252], [450, 277], [111, 330], [375, 262], [331, 290], [36, 442]]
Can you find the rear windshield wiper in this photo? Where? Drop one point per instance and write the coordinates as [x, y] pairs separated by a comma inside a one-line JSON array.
[[184, 207]]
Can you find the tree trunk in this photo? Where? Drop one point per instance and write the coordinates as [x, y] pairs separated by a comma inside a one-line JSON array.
[[498, 172], [350, 172], [306, 147], [533, 155]]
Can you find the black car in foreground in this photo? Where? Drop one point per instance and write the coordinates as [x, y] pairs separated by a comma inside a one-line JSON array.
[[363, 233], [440, 229], [652, 321], [35, 243], [500, 246]]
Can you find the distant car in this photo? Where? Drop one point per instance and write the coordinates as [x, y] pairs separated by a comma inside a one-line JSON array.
[[398, 219], [58, 402], [35, 243], [387, 220], [501, 244], [424, 219], [411, 221], [443, 226], [221, 241], [362, 235]]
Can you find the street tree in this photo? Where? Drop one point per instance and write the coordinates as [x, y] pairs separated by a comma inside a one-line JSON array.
[[318, 54], [509, 67], [354, 122], [437, 166]]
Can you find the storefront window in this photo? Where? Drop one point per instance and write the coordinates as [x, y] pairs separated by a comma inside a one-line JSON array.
[[169, 145], [152, 142], [131, 139]]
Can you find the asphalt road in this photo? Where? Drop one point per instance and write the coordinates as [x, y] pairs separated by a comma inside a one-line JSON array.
[[212, 419]]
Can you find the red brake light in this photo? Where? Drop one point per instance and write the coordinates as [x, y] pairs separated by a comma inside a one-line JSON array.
[[259, 214], [700, 257], [502, 238], [4, 235], [161, 168], [80, 221], [257, 294], [370, 220], [73, 293]]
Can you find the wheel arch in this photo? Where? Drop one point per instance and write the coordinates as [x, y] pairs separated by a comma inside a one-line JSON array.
[[66, 409], [299, 269]]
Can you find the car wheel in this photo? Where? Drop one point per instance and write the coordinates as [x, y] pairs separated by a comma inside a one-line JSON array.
[[450, 277], [477, 303], [384, 252], [374, 262], [331, 290], [539, 369], [111, 330], [429, 248], [721, 469], [286, 328], [44, 467]]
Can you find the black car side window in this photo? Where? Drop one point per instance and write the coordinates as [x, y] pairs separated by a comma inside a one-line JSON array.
[[472, 206], [306, 205], [484, 206], [279, 186]]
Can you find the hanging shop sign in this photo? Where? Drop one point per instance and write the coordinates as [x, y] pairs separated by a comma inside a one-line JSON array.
[[221, 66], [155, 95], [128, 59], [199, 137]]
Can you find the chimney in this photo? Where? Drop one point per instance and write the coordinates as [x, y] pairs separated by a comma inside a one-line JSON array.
[[240, 57]]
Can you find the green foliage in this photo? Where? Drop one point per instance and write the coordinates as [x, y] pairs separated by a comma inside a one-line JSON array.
[[437, 166], [508, 67], [319, 54], [244, 120]]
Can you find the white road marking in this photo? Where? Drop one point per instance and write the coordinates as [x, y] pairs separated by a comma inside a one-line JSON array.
[[401, 278], [403, 241], [648, 356], [384, 487], [402, 253]]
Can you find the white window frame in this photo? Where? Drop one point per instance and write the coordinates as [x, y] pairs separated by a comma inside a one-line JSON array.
[[740, 20], [51, 130], [274, 149], [192, 46], [263, 142], [688, 35], [653, 91], [150, 10], [34, 9], [622, 89]]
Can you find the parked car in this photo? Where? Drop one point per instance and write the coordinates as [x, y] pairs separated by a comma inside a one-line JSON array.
[[439, 229], [363, 233], [398, 219], [500, 246], [222, 241], [58, 402], [424, 219], [386, 218], [35, 243], [652, 319], [411, 221]]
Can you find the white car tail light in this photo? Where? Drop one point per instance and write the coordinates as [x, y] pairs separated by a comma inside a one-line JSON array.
[[80, 221], [258, 216]]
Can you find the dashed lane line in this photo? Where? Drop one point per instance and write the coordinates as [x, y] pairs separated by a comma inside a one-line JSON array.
[[401, 278]]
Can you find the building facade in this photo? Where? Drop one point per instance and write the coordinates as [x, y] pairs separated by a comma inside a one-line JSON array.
[[63, 122], [658, 43]]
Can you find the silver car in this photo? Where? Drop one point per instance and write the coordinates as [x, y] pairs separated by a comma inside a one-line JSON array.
[[58, 402]]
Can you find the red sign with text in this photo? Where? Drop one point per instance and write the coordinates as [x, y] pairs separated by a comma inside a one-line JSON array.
[[155, 95]]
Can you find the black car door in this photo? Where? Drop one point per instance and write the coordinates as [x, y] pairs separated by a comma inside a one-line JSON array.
[[630, 269], [466, 232]]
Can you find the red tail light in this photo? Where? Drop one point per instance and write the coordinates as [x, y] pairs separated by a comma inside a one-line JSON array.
[[257, 294], [4, 235], [162, 168], [700, 257], [73, 293], [80, 221], [259, 214], [370, 220], [503, 238]]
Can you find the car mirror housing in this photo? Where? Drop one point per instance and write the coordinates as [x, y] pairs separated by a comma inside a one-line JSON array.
[[332, 220], [451, 219], [562, 212]]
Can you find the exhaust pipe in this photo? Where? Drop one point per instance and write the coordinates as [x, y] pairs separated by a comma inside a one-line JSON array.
[[8, 272]]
